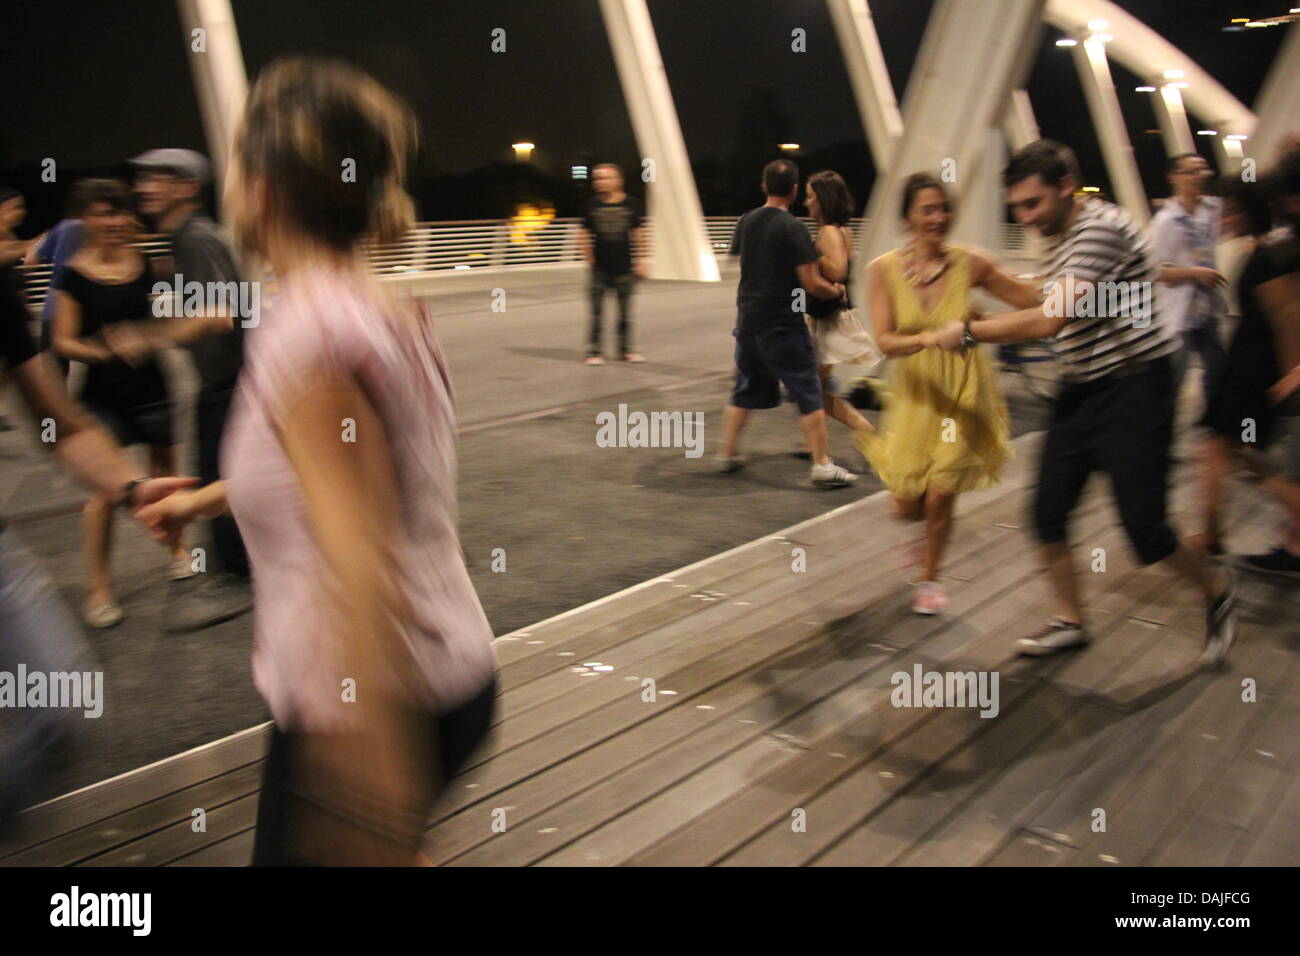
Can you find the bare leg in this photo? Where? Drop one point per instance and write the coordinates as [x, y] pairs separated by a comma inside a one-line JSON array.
[[840, 409], [162, 462], [909, 510], [938, 514], [99, 538], [733, 420], [814, 432], [1214, 459], [1065, 585], [1197, 569]]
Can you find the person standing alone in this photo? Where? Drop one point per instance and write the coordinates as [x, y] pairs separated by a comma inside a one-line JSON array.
[[612, 240]]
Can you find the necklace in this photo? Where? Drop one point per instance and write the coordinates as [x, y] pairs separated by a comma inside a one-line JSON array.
[[931, 272]]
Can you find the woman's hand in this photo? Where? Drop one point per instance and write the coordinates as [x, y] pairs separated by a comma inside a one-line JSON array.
[[1285, 387], [128, 343], [165, 518]]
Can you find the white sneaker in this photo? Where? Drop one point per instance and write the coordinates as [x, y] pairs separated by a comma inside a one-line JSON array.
[[1057, 636], [930, 598], [831, 475]]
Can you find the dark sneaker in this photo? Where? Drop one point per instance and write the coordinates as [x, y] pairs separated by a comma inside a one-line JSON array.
[[1056, 636], [727, 465], [1221, 623], [218, 598], [1279, 561]]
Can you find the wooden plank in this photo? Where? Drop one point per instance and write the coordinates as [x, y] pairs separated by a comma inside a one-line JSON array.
[[879, 781], [179, 839], [118, 794], [140, 821], [684, 756], [232, 851]]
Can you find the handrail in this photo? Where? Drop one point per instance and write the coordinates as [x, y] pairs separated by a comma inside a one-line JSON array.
[[476, 244]]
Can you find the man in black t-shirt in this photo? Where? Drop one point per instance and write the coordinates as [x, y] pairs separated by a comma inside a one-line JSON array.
[[778, 270], [611, 245]]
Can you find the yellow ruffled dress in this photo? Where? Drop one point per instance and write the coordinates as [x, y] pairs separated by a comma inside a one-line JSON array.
[[946, 422]]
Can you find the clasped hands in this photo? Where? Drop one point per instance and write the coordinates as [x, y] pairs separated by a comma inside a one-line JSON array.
[[949, 336]]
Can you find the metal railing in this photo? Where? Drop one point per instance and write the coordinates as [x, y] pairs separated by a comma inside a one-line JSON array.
[[466, 245]]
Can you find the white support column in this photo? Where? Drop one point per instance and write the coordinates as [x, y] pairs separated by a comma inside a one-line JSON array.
[[1278, 104], [872, 88], [1228, 152], [681, 246], [958, 91], [1019, 124], [1103, 104], [1172, 117], [219, 77]]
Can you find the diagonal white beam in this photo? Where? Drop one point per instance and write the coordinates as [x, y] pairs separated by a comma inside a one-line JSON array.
[[1108, 122], [1278, 104], [865, 63], [959, 88], [219, 77], [1175, 131], [681, 245]]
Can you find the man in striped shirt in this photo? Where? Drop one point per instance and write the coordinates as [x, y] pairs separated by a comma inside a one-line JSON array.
[[1115, 411]]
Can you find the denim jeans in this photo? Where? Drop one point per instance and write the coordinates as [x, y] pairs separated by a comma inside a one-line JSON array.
[[1204, 341], [622, 286], [37, 630]]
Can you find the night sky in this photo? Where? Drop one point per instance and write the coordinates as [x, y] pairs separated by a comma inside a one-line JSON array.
[[90, 83]]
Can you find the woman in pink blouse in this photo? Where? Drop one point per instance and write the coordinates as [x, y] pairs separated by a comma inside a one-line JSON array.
[[371, 647]]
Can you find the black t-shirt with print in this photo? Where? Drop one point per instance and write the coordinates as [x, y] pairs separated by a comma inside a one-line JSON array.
[[611, 225], [772, 244]]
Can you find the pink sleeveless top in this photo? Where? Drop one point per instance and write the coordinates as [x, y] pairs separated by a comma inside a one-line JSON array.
[[327, 322]]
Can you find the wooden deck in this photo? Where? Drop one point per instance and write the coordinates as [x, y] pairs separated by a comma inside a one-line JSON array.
[[772, 707]]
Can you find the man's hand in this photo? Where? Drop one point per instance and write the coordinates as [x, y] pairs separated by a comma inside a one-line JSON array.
[[1208, 277], [950, 335]]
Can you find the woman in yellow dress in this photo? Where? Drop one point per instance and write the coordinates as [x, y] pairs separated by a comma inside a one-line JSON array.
[[946, 426]]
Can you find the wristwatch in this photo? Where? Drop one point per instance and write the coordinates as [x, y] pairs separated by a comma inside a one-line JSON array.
[[128, 492], [968, 340]]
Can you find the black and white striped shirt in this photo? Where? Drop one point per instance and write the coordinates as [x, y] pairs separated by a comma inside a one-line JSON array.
[[1116, 324]]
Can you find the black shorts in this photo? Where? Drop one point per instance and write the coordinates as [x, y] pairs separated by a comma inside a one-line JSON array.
[[775, 356], [139, 425], [1122, 425]]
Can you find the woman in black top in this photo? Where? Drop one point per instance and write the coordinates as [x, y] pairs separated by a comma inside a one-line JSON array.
[[1239, 412], [103, 299]]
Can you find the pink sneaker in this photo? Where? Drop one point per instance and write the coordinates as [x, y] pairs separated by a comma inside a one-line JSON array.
[[930, 598]]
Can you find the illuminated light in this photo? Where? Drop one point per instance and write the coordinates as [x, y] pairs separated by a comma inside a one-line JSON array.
[[1242, 19], [1173, 74], [523, 151], [528, 219], [1067, 42], [1101, 38], [1177, 86], [1237, 136], [578, 172], [1092, 189], [789, 147], [1144, 89], [1207, 132]]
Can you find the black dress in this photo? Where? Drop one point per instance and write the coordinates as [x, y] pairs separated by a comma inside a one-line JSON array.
[[1241, 394], [132, 401]]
